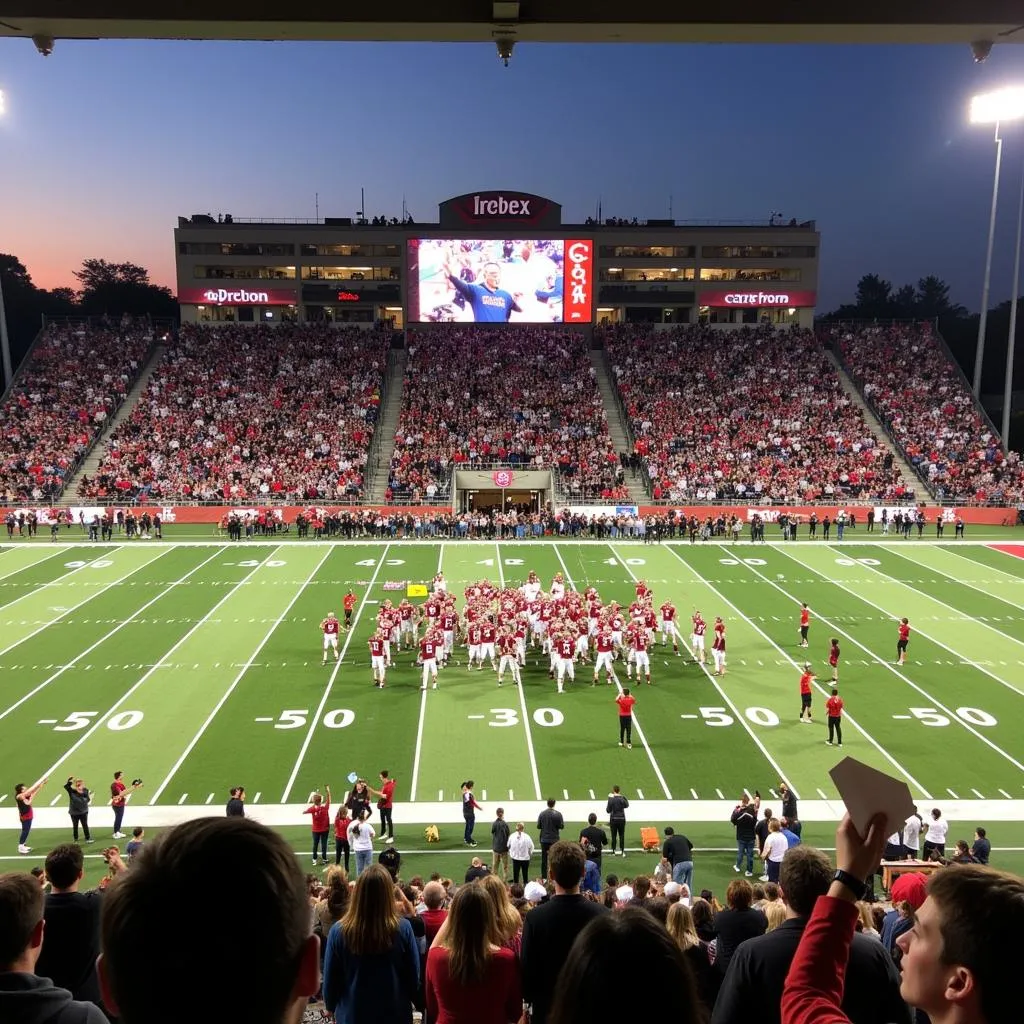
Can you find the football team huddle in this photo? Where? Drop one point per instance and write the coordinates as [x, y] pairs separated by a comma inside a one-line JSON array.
[[498, 624]]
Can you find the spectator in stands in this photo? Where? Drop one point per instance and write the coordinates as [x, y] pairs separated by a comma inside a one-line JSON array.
[[470, 976], [682, 929], [737, 923], [433, 912], [371, 968], [332, 905], [162, 974], [508, 925], [611, 950], [753, 984], [25, 997], [551, 928]]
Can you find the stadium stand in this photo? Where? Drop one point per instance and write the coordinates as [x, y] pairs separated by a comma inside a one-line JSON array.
[[520, 396], [756, 413], [921, 397], [237, 412], [77, 376]]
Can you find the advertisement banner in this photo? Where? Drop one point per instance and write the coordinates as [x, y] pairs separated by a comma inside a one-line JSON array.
[[486, 208], [236, 295], [769, 296], [579, 280], [502, 477]]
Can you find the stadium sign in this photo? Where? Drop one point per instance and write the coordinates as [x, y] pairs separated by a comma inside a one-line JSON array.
[[759, 300], [579, 277], [237, 296], [493, 208], [503, 478]]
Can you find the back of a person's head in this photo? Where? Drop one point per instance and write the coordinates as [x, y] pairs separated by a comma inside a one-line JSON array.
[[21, 910], [775, 913], [981, 918], [740, 894], [433, 895], [566, 864], [64, 865], [804, 875], [170, 932], [628, 944], [470, 931], [371, 920]]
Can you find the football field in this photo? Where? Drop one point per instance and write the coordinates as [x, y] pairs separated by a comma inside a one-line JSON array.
[[196, 665]]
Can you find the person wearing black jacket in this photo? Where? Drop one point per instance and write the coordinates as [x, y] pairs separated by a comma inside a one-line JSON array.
[[236, 805], [595, 839], [359, 800], [79, 798], [788, 798], [744, 820], [616, 811], [550, 824], [752, 987], [678, 851]]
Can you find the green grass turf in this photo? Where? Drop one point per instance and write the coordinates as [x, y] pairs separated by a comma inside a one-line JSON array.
[[197, 667]]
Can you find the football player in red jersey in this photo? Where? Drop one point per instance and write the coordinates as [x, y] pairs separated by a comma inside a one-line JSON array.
[[330, 628], [605, 650], [833, 659], [507, 645], [668, 626], [718, 646], [901, 642], [697, 638], [430, 650], [805, 623], [378, 659], [641, 658]]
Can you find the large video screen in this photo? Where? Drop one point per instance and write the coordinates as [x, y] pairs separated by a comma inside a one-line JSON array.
[[496, 280]]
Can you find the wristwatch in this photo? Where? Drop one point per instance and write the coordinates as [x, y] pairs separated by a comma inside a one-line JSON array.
[[851, 882]]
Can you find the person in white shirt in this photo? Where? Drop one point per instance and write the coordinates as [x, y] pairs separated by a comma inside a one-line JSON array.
[[935, 837], [520, 850], [360, 838], [912, 836], [773, 850]]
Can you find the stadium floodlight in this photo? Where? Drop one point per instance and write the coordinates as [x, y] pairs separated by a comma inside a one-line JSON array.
[[992, 108]]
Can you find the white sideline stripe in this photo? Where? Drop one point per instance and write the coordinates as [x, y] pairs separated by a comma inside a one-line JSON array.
[[899, 675], [238, 678], [84, 601], [423, 713], [103, 639], [966, 813], [522, 690], [964, 583], [315, 720], [821, 689], [103, 718], [929, 636], [618, 685], [741, 718]]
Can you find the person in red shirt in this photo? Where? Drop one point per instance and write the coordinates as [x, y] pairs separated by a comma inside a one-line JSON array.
[[330, 627], [718, 646], [805, 693], [834, 707], [378, 658], [626, 701], [805, 624], [901, 642], [833, 659], [430, 648], [348, 603], [341, 844], [385, 804], [320, 812]]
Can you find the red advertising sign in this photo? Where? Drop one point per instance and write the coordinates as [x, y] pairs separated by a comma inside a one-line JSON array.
[[348, 296], [503, 477], [578, 286], [768, 296], [237, 295], [495, 207]]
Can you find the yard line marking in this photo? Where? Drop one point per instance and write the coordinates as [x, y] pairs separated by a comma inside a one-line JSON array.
[[256, 798], [747, 793], [1007, 795], [952, 794], [209, 798], [924, 693], [510, 795], [640, 794], [103, 718], [315, 719], [423, 714], [263, 718], [977, 794], [55, 800], [71, 572], [821, 689], [592, 797], [483, 794], [721, 795], [86, 600], [440, 794], [821, 793], [31, 565], [615, 678], [184, 797], [964, 583], [522, 687], [63, 668], [693, 793], [565, 794]]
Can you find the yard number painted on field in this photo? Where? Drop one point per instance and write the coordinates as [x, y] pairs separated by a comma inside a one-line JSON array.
[[371, 562], [82, 719], [505, 717], [720, 717], [935, 719], [339, 718], [857, 561], [625, 561], [746, 561], [489, 562], [251, 563]]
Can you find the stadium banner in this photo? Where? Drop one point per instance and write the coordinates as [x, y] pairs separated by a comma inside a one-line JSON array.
[[769, 296], [497, 281], [238, 296]]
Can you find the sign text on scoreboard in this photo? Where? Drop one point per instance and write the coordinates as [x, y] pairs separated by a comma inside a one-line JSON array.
[[578, 287]]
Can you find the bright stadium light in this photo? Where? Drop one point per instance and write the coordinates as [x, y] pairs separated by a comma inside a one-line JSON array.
[[992, 108]]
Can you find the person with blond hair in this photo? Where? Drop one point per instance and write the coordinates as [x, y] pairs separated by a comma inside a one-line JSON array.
[[372, 964], [469, 976], [508, 925], [683, 930]]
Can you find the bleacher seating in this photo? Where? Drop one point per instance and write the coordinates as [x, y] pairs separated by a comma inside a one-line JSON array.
[[242, 412], [78, 375]]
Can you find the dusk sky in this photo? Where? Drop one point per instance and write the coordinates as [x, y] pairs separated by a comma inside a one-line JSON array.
[[104, 144]]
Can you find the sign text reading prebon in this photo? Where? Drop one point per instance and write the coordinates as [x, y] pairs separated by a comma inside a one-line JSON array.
[[237, 296], [578, 290], [756, 300]]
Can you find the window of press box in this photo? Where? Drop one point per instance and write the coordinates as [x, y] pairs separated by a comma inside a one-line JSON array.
[[236, 249], [647, 274], [762, 274], [758, 252], [233, 273], [351, 274], [349, 249], [649, 251]]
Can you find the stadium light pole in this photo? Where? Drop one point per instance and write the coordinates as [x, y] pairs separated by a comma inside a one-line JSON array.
[[992, 108]]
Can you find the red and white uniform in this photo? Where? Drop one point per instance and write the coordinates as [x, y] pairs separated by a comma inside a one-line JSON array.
[[474, 636], [565, 645], [378, 659], [448, 620], [330, 628], [642, 590], [718, 646], [617, 624], [507, 644], [582, 637], [557, 589], [697, 638], [650, 623], [428, 655], [488, 638], [407, 617], [605, 649], [639, 643], [668, 622]]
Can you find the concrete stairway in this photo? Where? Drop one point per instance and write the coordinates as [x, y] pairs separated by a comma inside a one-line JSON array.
[[383, 446], [617, 426], [910, 479], [93, 459]]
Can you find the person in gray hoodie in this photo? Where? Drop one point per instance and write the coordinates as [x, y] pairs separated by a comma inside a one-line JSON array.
[[79, 799], [25, 998]]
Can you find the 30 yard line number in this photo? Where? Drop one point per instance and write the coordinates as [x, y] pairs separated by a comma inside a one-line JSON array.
[[506, 717]]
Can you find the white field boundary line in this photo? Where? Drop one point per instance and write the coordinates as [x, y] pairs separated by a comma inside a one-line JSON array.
[[618, 686], [1004, 576], [423, 710], [970, 618], [821, 689], [131, 618], [521, 688], [139, 682], [315, 720], [928, 636], [30, 565], [891, 668], [740, 717], [67, 611], [238, 678]]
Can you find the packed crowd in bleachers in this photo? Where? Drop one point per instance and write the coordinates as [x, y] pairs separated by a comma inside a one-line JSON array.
[[237, 412], [77, 377], [757, 413], [920, 395], [520, 396]]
